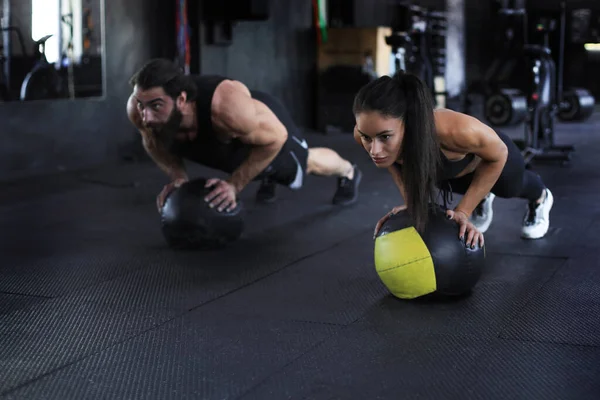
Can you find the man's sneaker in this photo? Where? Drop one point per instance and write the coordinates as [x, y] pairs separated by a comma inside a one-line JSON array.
[[347, 191], [266, 191], [537, 218], [484, 213]]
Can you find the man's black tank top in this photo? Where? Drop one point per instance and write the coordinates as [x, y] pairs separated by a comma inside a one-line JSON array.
[[205, 148]]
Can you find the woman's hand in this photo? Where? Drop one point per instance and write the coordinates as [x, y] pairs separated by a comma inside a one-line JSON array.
[[380, 223], [466, 228]]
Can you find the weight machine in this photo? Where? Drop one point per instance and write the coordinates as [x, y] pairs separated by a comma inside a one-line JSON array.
[[418, 43], [535, 95]]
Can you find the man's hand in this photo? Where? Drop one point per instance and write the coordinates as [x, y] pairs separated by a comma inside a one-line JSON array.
[[222, 196], [160, 200]]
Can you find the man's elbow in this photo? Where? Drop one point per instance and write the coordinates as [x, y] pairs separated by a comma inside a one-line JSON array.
[[283, 137], [279, 139]]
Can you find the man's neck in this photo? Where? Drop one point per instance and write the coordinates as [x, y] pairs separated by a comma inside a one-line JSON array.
[[189, 123]]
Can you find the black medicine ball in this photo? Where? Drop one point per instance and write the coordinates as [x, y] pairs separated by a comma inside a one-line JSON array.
[[412, 265], [188, 222]]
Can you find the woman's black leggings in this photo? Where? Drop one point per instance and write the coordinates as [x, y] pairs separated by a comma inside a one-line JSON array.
[[514, 181]]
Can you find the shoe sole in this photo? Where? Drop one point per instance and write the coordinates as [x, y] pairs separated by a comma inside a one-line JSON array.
[[547, 218]]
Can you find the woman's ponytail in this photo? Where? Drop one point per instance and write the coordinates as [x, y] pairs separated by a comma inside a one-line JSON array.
[[406, 97]]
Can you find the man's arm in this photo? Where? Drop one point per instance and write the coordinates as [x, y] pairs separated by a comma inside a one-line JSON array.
[[254, 124], [172, 165], [473, 136]]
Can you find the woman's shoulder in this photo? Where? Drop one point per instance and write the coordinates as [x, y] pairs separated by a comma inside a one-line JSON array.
[[449, 122], [453, 128]]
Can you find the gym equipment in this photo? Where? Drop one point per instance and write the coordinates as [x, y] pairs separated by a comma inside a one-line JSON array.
[[5, 50], [504, 80], [505, 103], [435, 262], [189, 223], [6, 58], [184, 53], [418, 43], [544, 93], [508, 43], [577, 105], [43, 81], [3, 86], [539, 143], [507, 107]]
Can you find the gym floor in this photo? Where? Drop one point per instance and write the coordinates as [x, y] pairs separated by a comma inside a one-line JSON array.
[[93, 305]]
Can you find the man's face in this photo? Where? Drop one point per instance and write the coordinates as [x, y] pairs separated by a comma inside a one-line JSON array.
[[159, 113]]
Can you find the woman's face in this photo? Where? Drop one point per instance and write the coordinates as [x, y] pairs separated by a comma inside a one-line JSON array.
[[381, 137]]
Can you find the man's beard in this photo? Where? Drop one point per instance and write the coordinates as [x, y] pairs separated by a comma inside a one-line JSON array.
[[165, 133]]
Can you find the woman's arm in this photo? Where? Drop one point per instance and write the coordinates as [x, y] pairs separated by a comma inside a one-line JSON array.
[[472, 136], [397, 176]]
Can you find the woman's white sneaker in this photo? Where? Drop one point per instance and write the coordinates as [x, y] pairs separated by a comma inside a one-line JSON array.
[[537, 218]]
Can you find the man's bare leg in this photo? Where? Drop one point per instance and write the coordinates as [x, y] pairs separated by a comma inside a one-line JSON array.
[[322, 161], [327, 162]]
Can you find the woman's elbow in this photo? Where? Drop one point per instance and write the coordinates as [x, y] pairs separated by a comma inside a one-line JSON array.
[[503, 153], [497, 154]]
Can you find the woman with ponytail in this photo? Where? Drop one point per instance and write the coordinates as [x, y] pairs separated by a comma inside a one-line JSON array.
[[427, 150]]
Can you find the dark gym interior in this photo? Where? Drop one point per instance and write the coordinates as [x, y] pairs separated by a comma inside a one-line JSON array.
[[95, 303]]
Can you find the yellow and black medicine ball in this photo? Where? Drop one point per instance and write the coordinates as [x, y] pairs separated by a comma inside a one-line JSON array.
[[412, 264]]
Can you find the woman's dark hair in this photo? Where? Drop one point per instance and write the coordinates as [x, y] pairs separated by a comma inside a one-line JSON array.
[[164, 73], [406, 97]]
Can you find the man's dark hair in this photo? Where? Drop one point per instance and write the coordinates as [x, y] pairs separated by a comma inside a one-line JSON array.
[[406, 97], [166, 74]]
